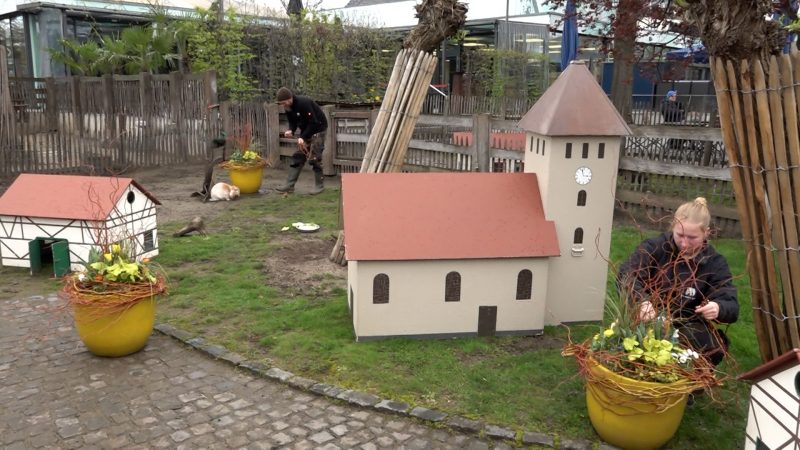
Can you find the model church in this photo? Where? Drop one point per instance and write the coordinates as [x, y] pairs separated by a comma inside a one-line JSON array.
[[461, 254]]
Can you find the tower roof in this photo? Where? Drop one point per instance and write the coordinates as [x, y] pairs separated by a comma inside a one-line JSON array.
[[574, 105]]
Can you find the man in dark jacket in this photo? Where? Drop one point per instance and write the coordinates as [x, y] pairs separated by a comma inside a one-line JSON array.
[[306, 114], [680, 274]]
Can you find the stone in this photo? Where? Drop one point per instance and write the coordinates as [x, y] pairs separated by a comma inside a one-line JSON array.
[[428, 414], [532, 438]]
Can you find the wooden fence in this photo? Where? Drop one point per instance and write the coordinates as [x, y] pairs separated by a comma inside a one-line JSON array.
[[93, 125], [110, 123]]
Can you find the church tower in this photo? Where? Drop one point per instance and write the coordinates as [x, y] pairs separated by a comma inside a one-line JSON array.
[[573, 137]]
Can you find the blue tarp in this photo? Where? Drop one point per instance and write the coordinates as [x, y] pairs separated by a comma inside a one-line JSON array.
[[569, 36], [697, 52]]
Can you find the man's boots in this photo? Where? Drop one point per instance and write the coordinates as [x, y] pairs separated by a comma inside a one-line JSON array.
[[319, 183], [294, 173]]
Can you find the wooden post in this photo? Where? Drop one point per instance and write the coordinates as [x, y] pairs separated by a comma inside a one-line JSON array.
[[111, 138], [225, 114], [481, 135], [176, 82], [210, 99], [330, 142], [51, 108], [146, 98], [273, 143], [77, 109]]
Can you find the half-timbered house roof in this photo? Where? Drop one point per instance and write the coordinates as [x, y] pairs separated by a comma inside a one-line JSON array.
[[66, 196], [779, 364]]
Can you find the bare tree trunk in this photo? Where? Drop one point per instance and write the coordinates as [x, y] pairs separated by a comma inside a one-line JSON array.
[[625, 28]]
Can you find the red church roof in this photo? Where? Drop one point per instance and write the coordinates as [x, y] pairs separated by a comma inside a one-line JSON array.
[[574, 105], [65, 196], [402, 216]]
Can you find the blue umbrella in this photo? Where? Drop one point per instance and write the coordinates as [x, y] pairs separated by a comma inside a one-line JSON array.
[[569, 36]]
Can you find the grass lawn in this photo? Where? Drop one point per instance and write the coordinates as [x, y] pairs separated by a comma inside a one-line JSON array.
[[221, 290]]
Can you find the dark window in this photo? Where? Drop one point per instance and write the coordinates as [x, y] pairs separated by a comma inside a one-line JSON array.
[[543, 145], [601, 150], [531, 147], [131, 197], [380, 288], [350, 302], [581, 198], [797, 383], [760, 445], [452, 287], [524, 284], [149, 241], [538, 143], [585, 151], [568, 155], [578, 236]]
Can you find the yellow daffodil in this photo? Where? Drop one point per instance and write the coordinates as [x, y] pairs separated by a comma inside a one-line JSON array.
[[108, 256], [116, 249], [608, 332]]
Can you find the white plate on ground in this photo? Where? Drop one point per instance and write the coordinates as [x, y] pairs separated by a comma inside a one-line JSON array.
[[306, 227]]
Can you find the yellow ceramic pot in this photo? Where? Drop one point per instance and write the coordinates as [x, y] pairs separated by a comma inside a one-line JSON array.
[[248, 180], [116, 333], [631, 414]]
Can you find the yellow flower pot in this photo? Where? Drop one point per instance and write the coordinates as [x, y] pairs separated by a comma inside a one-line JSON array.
[[632, 414], [248, 180], [115, 333]]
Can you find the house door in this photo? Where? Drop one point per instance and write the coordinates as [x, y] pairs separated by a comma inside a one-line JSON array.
[[487, 320], [45, 251]]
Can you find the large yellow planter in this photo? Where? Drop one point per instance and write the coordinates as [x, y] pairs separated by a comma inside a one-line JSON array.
[[116, 333], [631, 414], [248, 180]]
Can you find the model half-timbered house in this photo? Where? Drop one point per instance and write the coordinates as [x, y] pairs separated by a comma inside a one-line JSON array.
[[773, 419], [60, 218]]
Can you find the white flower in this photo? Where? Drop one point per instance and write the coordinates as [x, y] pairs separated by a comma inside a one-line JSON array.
[[675, 334]]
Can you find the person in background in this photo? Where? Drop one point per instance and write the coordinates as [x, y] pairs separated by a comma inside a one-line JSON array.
[[680, 274], [673, 113], [305, 114]]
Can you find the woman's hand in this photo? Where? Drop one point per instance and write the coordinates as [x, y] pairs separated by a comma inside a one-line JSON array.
[[646, 311], [709, 311]]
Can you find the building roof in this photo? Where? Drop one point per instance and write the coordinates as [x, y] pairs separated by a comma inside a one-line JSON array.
[[65, 196], [432, 216], [779, 364], [574, 105]]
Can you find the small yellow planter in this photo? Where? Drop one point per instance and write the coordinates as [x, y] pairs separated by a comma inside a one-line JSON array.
[[248, 180], [117, 333], [633, 416]]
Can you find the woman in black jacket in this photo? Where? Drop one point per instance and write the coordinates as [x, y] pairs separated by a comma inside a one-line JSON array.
[[681, 275]]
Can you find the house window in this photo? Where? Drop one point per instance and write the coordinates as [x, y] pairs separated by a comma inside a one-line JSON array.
[[531, 147], [578, 236], [524, 284], [131, 197], [149, 241], [350, 303], [543, 145], [380, 288], [601, 150], [452, 287], [797, 383], [585, 150], [568, 155], [581, 198]]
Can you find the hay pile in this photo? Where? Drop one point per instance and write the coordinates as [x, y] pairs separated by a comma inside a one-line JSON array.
[[438, 20]]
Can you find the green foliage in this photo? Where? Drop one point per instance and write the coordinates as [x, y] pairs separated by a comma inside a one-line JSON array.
[[506, 73], [211, 46], [137, 49]]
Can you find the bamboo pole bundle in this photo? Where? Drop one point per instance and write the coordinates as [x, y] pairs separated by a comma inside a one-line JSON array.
[[759, 118], [408, 85]]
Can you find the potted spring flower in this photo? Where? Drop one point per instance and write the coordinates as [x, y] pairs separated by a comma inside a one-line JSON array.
[[246, 166], [638, 376], [113, 300]]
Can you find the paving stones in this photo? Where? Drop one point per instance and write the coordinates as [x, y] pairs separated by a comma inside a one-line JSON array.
[[57, 395]]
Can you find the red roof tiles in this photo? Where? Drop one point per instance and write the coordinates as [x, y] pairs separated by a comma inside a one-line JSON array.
[[65, 196], [413, 216]]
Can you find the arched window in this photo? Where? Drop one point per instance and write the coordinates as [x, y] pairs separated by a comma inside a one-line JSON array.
[[524, 284], [380, 288], [578, 237], [452, 287], [581, 198]]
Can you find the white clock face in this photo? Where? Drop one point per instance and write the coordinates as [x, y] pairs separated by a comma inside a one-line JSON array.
[[583, 175]]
